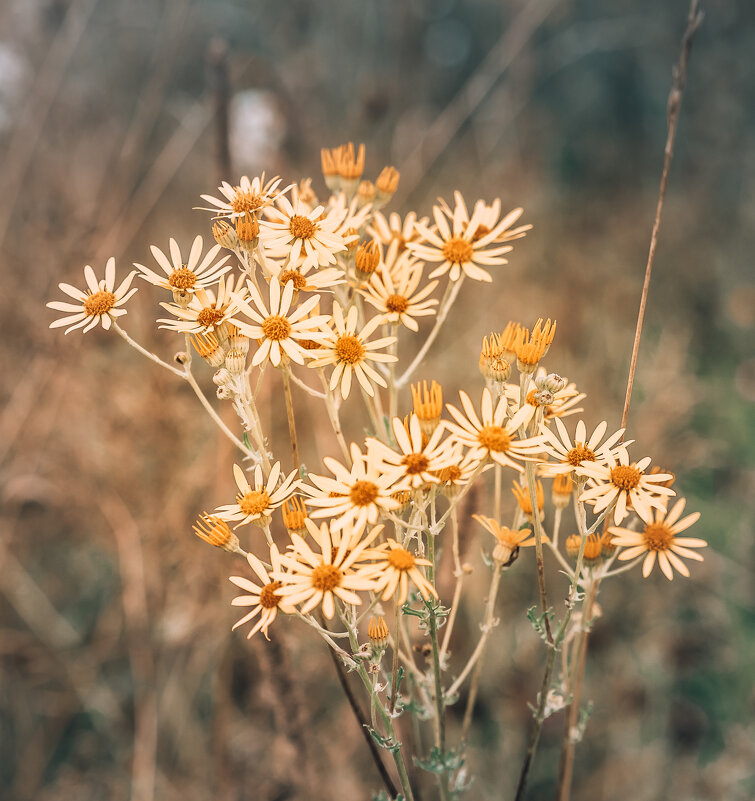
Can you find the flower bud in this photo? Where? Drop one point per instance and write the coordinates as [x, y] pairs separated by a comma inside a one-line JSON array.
[[378, 633], [367, 258], [224, 234], [216, 532]]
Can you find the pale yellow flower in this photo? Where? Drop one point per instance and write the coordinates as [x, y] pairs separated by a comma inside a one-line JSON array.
[[394, 566], [206, 311], [572, 453], [508, 540], [256, 504], [99, 304], [396, 297], [415, 463], [316, 578], [189, 276], [456, 246], [491, 435], [249, 196], [660, 541], [349, 349], [263, 598], [393, 229], [301, 236], [354, 496], [618, 480], [277, 328]]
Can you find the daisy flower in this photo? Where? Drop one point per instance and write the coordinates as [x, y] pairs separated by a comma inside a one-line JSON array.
[[396, 297], [348, 349], [455, 476], [490, 436], [355, 496], [416, 464], [457, 247], [188, 277], [625, 483], [206, 312], [99, 304], [306, 278], [508, 541], [316, 578], [256, 505], [658, 539], [564, 401], [570, 454], [488, 218], [393, 230], [262, 597], [249, 196], [394, 566], [292, 232], [278, 329]]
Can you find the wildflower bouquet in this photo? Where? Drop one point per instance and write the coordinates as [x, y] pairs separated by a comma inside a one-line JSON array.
[[348, 545]]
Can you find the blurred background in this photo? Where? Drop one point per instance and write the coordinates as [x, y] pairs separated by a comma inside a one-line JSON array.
[[119, 676]]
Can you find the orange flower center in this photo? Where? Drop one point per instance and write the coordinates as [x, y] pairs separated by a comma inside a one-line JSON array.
[[363, 493], [209, 316], [302, 227], [658, 537], [276, 328], [450, 473], [579, 453], [182, 279], [397, 303], [246, 201], [268, 598], [326, 577], [293, 275], [494, 438], [415, 463], [99, 303], [349, 349], [458, 250], [254, 502], [625, 477], [400, 559]]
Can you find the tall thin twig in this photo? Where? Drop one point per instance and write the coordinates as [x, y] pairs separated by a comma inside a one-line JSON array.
[[694, 18]]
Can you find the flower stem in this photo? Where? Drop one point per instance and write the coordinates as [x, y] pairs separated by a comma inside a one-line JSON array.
[[452, 290], [290, 414]]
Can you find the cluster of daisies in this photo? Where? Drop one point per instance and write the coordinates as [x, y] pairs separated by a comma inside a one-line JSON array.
[[292, 281], [349, 552]]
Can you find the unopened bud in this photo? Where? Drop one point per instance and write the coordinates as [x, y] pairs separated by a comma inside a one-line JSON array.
[[367, 258], [386, 185], [561, 490], [378, 633], [235, 361], [224, 234], [181, 298], [216, 532], [221, 377], [294, 515], [365, 193], [224, 393], [552, 383], [247, 231], [181, 358]]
